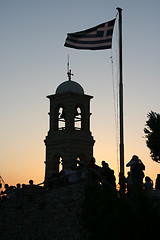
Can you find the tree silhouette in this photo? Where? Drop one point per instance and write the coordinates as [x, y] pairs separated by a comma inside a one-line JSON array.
[[152, 135]]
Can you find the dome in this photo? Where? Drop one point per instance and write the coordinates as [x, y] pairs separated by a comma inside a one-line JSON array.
[[69, 86]]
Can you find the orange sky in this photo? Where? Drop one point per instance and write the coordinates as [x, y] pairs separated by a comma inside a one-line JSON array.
[[34, 62]]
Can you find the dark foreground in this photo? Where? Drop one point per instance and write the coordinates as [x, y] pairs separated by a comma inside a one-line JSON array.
[[79, 211]]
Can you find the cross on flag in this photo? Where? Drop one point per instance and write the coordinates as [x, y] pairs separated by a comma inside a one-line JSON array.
[[96, 38]]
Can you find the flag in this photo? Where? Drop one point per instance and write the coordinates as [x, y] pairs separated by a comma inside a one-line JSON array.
[[96, 38]]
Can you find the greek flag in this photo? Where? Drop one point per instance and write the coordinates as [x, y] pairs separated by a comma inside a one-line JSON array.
[[96, 38]]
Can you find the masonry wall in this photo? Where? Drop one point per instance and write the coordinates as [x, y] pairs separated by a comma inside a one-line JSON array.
[[55, 214]]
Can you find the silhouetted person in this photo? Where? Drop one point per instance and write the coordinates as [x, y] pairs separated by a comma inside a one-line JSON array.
[[18, 185], [93, 169], [108, 174], [6, 189], [129, 181], [122, 184], [31, 182], [6, 186], [157, 185], [18, 190], [92, 163], [137, 168], [11, 191], [148, 185]]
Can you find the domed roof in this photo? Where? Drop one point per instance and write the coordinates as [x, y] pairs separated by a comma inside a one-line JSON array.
[[69, 86]]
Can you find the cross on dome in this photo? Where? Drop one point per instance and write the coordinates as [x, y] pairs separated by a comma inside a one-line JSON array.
[[70, 74]]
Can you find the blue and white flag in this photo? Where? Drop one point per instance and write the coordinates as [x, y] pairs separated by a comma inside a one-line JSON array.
[[96, 38]]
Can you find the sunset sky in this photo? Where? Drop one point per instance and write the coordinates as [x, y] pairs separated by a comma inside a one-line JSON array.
[[33, 63]]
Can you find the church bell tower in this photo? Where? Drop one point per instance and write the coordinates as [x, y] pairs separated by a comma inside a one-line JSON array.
[[69, 135]]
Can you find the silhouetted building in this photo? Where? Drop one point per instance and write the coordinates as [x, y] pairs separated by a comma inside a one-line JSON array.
[[69, 136]]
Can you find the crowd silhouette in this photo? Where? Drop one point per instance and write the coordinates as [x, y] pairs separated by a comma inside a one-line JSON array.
[[131, 185], [103, 175]]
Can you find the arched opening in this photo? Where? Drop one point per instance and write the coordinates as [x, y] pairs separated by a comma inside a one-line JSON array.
[[60, 164], [79, 164], [61, 118], [78, 118], [56, 164]]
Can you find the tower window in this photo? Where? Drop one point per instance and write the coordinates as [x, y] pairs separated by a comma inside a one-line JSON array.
[[61, 118], [77, 118], [60, 164]]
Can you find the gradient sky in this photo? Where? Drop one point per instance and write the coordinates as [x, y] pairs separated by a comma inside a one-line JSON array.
[[33, 63]]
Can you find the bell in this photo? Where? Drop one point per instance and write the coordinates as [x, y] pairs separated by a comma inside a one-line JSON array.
[[62, 115], [76, 113]]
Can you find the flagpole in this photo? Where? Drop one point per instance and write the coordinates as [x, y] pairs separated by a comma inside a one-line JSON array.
[[121, 94]]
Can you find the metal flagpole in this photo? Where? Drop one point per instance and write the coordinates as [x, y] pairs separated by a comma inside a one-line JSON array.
[[121, 94]]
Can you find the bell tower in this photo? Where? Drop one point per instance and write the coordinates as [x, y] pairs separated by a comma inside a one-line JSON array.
[[69, 135]]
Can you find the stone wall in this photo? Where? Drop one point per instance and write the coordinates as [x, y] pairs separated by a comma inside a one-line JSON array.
[[54, 214]]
